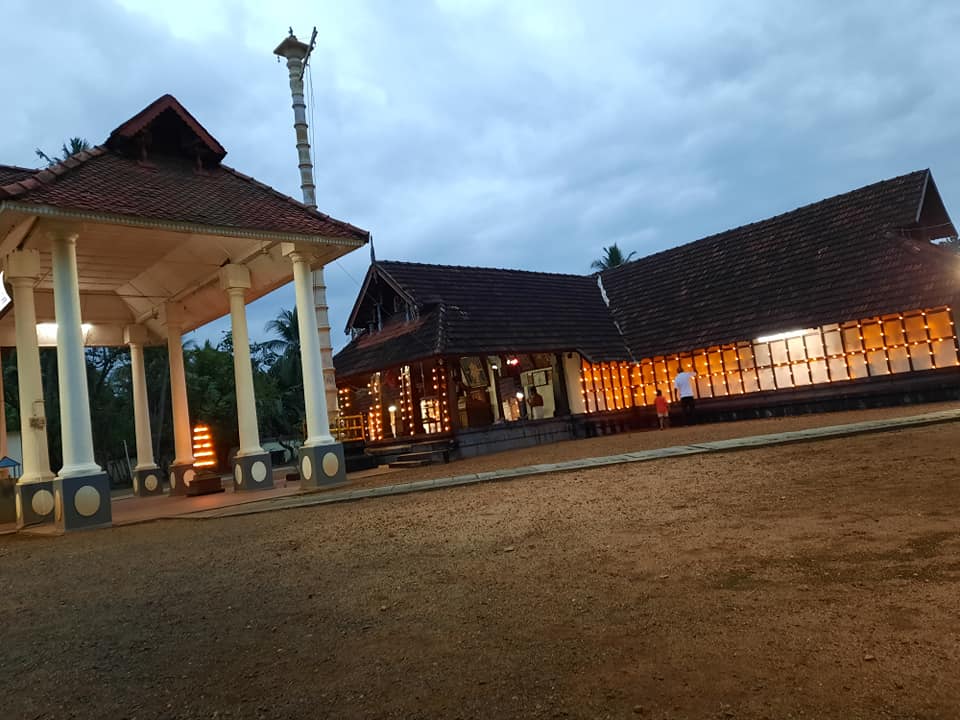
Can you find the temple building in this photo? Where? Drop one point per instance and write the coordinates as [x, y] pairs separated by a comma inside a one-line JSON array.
[[845, 302]]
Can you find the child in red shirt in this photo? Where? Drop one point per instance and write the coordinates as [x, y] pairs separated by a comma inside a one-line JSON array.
[[662, 409]]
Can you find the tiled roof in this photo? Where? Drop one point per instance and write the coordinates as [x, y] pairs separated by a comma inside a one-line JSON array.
[[169, 187], [852, 256], [492, 310], [167, 103], [12, 173], [394, 345], [843, 258]]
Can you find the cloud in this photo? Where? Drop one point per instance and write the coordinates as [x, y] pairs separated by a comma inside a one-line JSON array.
[[513, 134]]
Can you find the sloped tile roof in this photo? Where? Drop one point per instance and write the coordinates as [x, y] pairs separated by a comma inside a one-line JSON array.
[[494, 310], [394, 345], [843, 258], [111, 179], [12, 173], [852, 256]]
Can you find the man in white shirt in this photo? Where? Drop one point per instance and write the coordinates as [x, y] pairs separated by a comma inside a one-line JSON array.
[[683, 382]]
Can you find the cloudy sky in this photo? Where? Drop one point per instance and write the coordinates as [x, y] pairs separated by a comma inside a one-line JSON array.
[[521, 134]]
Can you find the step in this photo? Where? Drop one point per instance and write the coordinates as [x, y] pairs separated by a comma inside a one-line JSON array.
[[426, 455], [410, 463]]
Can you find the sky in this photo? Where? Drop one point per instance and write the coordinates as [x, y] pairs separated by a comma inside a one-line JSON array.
[[523, 134]]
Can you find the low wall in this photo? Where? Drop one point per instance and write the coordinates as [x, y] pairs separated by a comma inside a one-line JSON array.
[[512, 436]]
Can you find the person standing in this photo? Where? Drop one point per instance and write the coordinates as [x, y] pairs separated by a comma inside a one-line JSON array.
[[535, 400], [683, 382], [663, 410]]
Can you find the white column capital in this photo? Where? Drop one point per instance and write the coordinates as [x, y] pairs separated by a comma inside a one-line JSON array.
[[22, 266], [62, 234], [297, 253], [234, 277], [135, 335]]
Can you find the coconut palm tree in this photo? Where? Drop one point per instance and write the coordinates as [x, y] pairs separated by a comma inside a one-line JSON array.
[[70, 147], [287, 340], [612, 256]]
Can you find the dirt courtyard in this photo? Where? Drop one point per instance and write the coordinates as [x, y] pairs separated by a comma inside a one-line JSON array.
[[817, 580]]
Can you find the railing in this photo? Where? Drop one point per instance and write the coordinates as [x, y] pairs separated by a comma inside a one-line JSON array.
[[348, 427]]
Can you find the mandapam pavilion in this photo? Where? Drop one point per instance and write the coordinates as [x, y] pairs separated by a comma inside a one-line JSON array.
[[136, 242]]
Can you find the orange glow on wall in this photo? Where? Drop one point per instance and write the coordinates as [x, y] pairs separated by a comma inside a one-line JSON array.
[[901, 342], [204, 456]]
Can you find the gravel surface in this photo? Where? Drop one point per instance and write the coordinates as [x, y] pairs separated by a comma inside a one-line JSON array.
[[635, 441], [812, 580]]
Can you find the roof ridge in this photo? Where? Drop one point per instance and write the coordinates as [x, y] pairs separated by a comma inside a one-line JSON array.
[[480, 267], [18, 167], [48, 175], [773, 218], [253, 181]]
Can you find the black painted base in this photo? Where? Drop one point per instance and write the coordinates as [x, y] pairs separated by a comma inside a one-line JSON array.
[[82, 502], [322, 466], [147, 482], [181, 476], [252, 472], [35, 503]]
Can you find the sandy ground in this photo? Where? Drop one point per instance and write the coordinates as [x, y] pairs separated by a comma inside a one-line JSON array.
[[816, 580], [633, 442]]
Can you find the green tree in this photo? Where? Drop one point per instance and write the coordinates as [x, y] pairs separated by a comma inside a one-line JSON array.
[[612, 257], [211, 394], [70, 147]]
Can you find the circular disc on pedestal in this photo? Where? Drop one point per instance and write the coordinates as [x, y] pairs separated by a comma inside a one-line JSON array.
[[87, 500], [238, 474], [42, 502], [150, 482], [258, 471], [331, 464], [306, 468]]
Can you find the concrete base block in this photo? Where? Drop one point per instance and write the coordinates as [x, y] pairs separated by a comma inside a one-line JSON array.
[[205, 483], [180, 477], [322, 466], [252, 472], [147, 482], [82, 502], [35, 502]]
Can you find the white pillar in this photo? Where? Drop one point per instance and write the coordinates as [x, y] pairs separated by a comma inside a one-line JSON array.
[[22, 269], [76, 429], [235, 279], [182, 432], [135, 336], [326, 346], [314, 395]]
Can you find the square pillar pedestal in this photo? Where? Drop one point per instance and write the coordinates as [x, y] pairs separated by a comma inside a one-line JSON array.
[[82, 502], [146, 482], [35, 503], [321, 466], [180, 477], [252, 472]]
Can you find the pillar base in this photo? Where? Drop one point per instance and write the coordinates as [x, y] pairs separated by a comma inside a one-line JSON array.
[[35, 501], [82, 502], [180, 477], [252, 472], [321, 466], [146, 482]]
